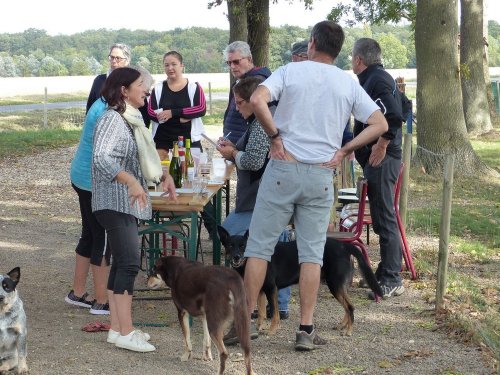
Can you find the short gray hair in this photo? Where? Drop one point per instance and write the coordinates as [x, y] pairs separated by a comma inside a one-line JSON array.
[[146, 76], [368, 50], [125, 49], [242, 47]]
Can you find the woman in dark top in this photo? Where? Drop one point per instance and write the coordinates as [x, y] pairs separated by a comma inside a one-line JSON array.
[[176, 107], [119, 56]]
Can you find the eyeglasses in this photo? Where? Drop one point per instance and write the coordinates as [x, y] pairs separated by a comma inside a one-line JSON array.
[[116, 58], [234, 62]]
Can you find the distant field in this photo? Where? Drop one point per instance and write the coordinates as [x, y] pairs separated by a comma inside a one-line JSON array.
[[81, 84], [11, 87]]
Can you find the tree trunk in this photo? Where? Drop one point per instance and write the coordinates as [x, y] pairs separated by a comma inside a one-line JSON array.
[[238, 29], [237, 16], [258, 31], [472, 72], [441, 123], [487, 79]]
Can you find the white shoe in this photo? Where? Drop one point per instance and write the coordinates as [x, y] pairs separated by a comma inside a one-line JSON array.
[[135, 341], [113, 336]]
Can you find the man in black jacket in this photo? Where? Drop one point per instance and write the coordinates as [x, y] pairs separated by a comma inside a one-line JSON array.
[[239, 59], [381, 161]]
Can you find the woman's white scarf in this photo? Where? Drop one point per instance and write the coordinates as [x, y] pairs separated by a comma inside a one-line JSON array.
[[148, 157]]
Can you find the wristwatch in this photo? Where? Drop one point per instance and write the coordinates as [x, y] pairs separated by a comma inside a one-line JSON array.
[[275, 135]]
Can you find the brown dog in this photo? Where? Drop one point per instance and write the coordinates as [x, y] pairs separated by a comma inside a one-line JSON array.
[[216, 294]]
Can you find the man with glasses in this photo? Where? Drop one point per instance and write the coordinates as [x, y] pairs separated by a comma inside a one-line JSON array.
[[239, 59]]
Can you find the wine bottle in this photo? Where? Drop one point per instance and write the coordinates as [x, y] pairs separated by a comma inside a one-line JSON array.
[[175, 169], [182, 153], [189, 162]]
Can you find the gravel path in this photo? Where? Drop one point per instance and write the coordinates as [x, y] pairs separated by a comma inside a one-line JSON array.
[[39, 228]]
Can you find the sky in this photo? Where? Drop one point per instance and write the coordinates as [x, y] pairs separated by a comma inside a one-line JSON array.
[[68, 17]]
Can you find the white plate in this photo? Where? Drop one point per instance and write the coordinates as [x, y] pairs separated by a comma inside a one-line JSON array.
[[187, 191], [215, 182], [156, 194]]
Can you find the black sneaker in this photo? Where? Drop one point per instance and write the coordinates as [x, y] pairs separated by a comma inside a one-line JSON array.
[[389, 291], [99, 308], [308, 341], [78, 301]]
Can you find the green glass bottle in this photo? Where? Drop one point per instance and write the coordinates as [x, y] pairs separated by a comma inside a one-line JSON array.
[[175, 169]]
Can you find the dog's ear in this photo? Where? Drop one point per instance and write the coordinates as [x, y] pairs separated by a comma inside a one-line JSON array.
[[15, 274], [223, 235], [246, 234]]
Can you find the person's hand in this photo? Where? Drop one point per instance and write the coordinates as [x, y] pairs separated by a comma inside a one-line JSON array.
[[164, 115], [225, 142], [136, 193], [377, 155], [168, 186], [277, 150], [336, 161], [226, 151], [183, 120]]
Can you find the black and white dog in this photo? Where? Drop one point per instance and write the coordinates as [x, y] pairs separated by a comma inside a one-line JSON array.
[[12, 325]]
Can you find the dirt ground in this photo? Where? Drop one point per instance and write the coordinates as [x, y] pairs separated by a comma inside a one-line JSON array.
[[39, 228]]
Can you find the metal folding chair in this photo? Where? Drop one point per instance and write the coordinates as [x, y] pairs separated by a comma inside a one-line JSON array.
[[354, 236]]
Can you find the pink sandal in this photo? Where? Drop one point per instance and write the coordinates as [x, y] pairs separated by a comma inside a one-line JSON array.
[[96, 327]]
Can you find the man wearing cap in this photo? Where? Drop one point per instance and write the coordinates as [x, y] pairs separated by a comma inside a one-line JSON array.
[[299, 51]]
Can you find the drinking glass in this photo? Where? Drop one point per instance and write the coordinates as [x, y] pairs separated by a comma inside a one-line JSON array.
[[199, 187]]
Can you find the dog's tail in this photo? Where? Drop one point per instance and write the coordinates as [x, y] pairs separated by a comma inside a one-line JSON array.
[[365, 268], [241, 319]]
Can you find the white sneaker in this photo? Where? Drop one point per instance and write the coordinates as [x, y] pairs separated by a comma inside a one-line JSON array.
[[135, 341], [113, 335]]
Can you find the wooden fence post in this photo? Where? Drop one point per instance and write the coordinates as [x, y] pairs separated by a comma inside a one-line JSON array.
[[444, 232], [45, 101], [403, 197]]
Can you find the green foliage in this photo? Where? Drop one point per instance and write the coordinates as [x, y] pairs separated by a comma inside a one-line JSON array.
[[34, 53], [375, 12], [394, 53]]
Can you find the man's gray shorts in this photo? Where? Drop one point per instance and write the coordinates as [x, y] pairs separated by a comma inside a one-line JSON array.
[[304, 191]]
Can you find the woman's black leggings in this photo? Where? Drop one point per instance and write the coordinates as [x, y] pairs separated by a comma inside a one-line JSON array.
[[123, 241]]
